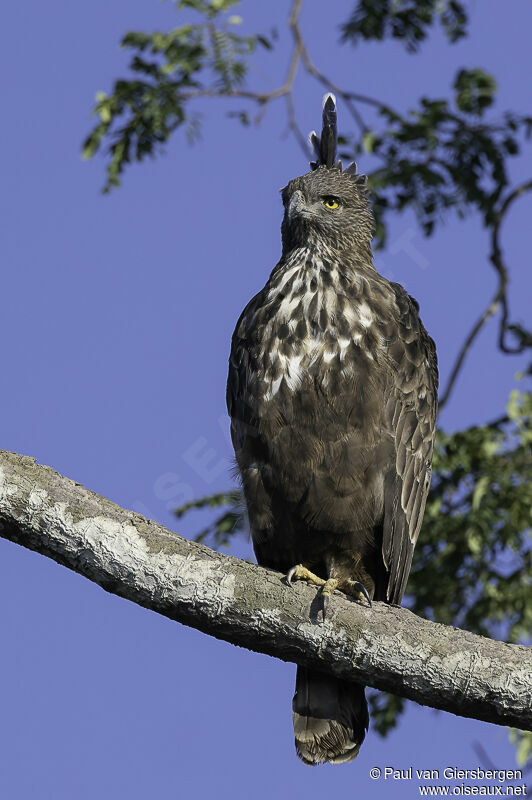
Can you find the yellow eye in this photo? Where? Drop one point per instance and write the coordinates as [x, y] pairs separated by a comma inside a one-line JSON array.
[[331, 203]]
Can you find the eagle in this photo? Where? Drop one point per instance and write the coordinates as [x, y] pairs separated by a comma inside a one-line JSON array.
[[332, 394]]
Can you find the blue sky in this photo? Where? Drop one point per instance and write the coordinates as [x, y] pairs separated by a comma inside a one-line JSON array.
[[117, 313]]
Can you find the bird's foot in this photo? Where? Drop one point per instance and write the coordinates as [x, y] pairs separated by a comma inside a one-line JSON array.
[[353, 588]]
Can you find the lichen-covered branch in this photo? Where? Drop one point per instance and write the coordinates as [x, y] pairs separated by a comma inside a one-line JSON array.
[[386, 647]]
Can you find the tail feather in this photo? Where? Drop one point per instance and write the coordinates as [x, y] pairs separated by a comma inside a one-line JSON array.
[[330, 718]]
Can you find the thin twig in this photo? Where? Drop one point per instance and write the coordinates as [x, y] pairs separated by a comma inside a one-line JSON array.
[[299, 53], [475, 330], [497, 261], [311, 68], [259, 97], [294, 127], [499, 299], [483, 756], [372, 101]]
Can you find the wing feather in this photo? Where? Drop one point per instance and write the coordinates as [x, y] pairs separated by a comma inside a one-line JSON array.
[[411, 416]]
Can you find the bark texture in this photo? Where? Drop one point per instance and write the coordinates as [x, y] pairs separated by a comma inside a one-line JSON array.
[[384, 646]]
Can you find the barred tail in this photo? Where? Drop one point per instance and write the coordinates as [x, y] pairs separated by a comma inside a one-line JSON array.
[[330, 718]]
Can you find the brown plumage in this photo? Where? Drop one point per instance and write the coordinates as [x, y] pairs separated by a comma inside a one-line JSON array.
[[332, 394]]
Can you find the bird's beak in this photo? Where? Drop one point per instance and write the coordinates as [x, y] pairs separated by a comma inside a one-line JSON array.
[[297, 206]]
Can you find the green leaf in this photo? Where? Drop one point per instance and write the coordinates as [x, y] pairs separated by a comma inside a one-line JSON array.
[[266, 43], [475, 90], [369, 141], [224, 527], [523, 742], [409, 21], [232, 498], [479, 492]]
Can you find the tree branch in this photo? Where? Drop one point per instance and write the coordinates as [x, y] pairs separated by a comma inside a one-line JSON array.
[[262, 98], [500, 267], [500, 298], [383, 646], [299, 53], [470, 338]]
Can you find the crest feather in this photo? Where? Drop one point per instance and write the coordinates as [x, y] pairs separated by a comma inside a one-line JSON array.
[[324, 146]]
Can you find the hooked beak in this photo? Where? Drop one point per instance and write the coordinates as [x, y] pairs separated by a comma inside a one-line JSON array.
[[297, 206]]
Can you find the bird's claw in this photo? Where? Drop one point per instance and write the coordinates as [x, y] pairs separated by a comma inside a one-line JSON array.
[[290, 575], [325, 604], [327, 589], [358, 587]]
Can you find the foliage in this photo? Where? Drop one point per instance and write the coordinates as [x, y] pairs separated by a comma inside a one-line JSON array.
[[523, 743], [472, 566], [432, 159], [438, 158], [385, 711], [406, 20], [477, 529], [140, 114], [232, 521]]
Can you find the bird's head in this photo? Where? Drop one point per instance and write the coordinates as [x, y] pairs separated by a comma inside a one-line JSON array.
[[327, 208]]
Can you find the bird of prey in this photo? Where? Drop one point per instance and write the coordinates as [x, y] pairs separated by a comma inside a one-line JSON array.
[[332, 394]]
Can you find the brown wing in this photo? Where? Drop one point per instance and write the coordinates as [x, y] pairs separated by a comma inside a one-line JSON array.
[[411, 414], [239, 404]]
